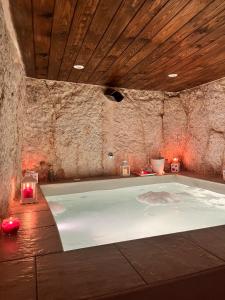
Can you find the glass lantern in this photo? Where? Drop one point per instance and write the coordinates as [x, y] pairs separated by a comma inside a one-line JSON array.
[[175, 165], [28, 190], [124, 168]]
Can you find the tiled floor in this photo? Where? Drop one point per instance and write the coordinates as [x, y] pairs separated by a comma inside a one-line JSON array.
[[85, 273], [182, 266], [167, 257]]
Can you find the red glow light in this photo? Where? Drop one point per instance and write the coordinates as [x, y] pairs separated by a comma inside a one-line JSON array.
[[175, 159], [28, 192], [10, 225]]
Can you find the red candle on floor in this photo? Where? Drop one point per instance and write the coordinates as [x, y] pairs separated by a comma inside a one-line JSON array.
[[10, 225], [28, 192]]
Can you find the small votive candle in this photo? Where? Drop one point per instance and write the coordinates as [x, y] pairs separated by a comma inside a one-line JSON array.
[[10, 225], [28, 192], [175, 165]]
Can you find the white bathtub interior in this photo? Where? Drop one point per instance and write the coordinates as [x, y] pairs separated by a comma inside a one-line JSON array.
[[92, 213]]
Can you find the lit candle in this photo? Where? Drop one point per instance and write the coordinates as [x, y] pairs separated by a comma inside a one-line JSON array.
[[175, 165], [28, 192], [10, 225]]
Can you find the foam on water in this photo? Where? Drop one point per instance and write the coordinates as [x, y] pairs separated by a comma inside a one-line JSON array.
[[107, 216]]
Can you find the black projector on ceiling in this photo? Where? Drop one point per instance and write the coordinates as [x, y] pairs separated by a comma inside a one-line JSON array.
[[113, 95]]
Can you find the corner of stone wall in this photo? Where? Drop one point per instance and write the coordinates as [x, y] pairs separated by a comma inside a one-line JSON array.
[[12, 95]]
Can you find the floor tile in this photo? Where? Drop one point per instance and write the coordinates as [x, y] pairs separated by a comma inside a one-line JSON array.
[[212, 239], [16, 207], [29, 242], [85, 273], [18, 280], [206, 286], [167, 257], [35, 219]]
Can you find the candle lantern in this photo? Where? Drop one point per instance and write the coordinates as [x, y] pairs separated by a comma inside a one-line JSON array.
[[175, 165], [32, 174], [28, 190], [124, 168], [10, 225]]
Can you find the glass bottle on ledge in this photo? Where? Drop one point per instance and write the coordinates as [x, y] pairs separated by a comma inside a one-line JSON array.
[[124, 168]]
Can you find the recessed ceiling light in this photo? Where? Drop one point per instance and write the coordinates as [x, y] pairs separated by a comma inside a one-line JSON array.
[[78, 67], [173, 75]]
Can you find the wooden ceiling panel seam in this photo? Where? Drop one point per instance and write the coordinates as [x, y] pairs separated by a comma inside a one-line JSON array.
[[43, 19], [170, 36], [199, 77], [129, 22], [122, 2], [140, 32], [111, 50], [63, 52], [162, 56], [101, 1], [199, 67], [23, 23], [186, 82], [123, 47], [127, 58], [49, 52], [130, 44], [32, 8], [69, 73], [69, 54], [211, 43]]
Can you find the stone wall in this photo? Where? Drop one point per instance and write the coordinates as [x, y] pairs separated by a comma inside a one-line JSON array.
[[74, 127], [205, 141], [195, 127], [12, 94]]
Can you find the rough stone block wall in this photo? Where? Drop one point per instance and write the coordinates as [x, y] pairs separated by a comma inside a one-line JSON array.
[[205, 133], [74, 127], [12, 94], [194, 127]]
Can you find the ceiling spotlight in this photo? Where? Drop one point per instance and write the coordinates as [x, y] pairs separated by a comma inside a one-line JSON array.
[[78, 67], [173, 75]]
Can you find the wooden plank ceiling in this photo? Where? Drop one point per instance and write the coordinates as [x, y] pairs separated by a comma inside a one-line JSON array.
[[124, 43]]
